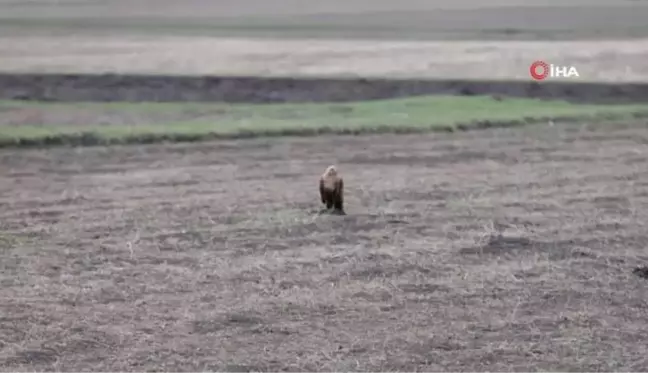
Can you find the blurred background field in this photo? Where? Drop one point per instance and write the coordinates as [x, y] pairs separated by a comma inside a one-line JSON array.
[[605, 39], [377, 19]]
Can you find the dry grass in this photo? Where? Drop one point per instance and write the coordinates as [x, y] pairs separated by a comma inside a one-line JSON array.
[[376, 19], [486, 250], [616, 61], [604, 39]]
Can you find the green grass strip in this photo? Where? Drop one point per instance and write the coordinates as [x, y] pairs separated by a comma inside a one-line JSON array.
[[123, 123]]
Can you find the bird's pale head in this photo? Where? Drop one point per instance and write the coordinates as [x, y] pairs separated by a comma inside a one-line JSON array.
[[331, 171]]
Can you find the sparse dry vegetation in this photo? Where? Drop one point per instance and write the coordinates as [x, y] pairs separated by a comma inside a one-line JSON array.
[[495, 250], [488, 250]]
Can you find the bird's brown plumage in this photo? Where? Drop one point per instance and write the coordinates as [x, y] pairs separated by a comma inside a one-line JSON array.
[[331, 187]]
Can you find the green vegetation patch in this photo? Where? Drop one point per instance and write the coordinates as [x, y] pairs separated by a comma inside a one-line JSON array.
[[37, 124]]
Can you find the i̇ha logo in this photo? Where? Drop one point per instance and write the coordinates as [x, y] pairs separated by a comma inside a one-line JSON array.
[[540, 70]]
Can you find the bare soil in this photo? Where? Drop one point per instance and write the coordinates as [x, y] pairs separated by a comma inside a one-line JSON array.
[[142, 88], [507, 249]]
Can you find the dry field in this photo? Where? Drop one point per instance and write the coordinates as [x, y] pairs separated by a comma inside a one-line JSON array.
[[509, 249], [499, 249], [605, 39], [609, 61]]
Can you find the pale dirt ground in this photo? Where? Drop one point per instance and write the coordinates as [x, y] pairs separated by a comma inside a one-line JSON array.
[[605, 40], [612, 61], [243, 8], [496, 250]]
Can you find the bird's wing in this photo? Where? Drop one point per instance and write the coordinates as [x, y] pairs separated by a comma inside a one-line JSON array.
[[321, 188]]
